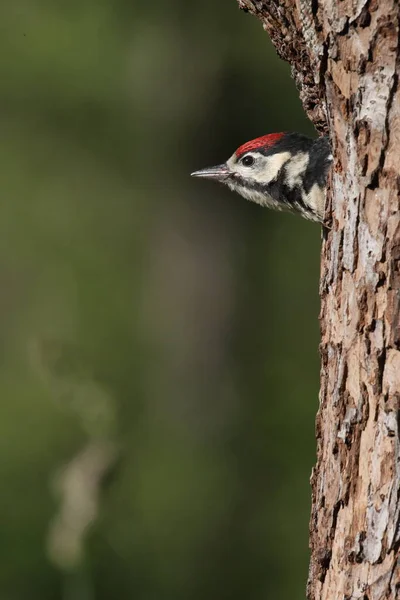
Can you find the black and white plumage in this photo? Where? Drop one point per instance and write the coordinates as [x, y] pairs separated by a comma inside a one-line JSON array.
[[283, 171]]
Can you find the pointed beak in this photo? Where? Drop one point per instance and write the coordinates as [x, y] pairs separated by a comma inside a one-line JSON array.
[[219, 173]]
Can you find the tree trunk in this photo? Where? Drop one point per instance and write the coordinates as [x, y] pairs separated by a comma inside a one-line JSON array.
[[345, 59]]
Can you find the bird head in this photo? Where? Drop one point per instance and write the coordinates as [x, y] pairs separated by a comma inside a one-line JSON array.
[[252, 165], [271, 170]]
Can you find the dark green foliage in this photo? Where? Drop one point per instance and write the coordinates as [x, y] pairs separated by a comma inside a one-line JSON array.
[[142, 309]]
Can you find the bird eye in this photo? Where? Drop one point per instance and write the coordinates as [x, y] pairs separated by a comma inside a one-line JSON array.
[[248, 160]]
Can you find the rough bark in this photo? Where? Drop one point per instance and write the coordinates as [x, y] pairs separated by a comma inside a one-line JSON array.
[[345, 59]]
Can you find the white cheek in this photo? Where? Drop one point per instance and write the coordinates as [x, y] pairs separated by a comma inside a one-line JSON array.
[[271, 167], [296, 169], [268, 170]]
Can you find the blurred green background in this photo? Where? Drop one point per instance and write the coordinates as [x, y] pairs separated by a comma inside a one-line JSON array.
[[159, 335]]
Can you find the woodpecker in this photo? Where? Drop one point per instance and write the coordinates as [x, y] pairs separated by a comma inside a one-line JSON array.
[[283, 171]]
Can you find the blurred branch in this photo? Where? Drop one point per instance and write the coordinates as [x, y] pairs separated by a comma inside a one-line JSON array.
[[345, 61], [77, 484], [78, 487]]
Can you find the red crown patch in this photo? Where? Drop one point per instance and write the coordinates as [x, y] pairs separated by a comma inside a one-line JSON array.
[[264, 141]]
